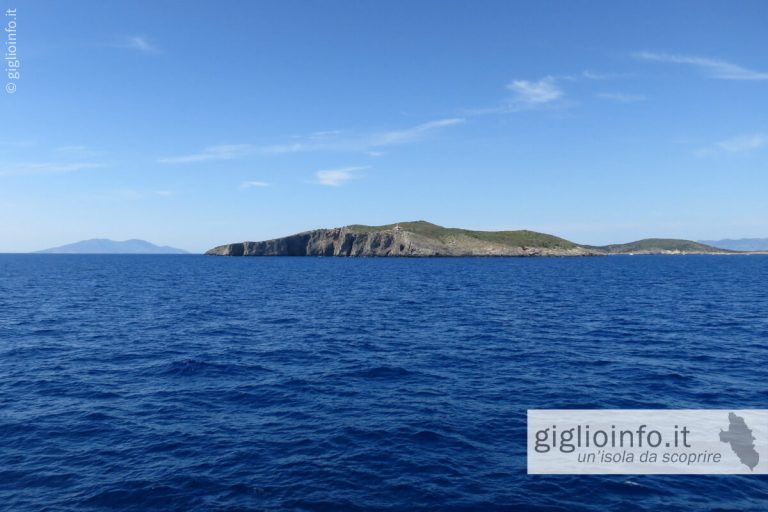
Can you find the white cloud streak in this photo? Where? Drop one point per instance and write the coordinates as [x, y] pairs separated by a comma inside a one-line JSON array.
[[141, 44], [27, 169], [72, 149], [336, 177], [621, 97], [319, 141], [220, 152], [528, 95], [334, 141], [535, 93], [78, 152], [713, 68], [411, 134], [743, 143], [254, 184], [735, 145], [135, 195], [591, 75]]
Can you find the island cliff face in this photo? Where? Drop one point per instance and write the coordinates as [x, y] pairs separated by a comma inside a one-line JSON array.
[[396, 241], [421, 238]]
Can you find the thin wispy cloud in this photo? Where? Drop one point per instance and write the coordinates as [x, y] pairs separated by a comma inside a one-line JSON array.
[[136, 195], [334, 140], [621, 97], [140, 43], [220, 152], [338, 141], [336, 177], [79, 152], [740, 144], [72, 149], [527, 95], [411, 134], [293, 147], [17, 143], [325, 135], [743, 143], [253, 184], [535, 93], [591, 75], [26, 169], [714, 68], [550, 92]]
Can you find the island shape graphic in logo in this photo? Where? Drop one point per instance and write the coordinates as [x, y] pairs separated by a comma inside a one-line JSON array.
[[741, 440]]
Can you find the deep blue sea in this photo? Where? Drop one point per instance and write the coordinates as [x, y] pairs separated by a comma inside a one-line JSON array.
[[197, 383]]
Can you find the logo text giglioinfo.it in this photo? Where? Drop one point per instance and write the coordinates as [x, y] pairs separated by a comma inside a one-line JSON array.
[[11, 57], [642, 441]]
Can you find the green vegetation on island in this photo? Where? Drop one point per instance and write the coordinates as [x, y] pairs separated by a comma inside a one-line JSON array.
[[661, 244], [421, 238], [520, 238]]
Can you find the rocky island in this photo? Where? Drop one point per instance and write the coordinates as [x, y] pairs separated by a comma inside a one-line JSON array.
[[423, 239], [106, 246]]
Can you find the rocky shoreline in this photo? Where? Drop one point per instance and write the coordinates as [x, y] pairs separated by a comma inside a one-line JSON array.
[[422, 239]]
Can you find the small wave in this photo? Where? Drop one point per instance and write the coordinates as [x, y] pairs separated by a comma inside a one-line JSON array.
[[672, 376], [382, 372], [199, 367], [429, 436], [281, 320]]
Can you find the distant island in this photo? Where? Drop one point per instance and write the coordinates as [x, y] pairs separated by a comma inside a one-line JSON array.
[[105, 246], [421, 238], [741, 244]]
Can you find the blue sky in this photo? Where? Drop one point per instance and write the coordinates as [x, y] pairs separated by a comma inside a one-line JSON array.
[[194, 124]]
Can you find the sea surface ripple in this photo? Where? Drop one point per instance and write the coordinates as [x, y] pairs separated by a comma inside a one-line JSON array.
[[317, 384]]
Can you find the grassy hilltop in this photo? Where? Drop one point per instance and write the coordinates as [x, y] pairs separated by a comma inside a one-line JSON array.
[[421, 238], [520, 238]]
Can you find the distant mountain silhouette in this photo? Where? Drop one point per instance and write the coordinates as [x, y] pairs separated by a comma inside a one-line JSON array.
[[741, 244], [105, 246]]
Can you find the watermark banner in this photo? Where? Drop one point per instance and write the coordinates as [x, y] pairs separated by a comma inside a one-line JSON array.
[[11, 58], [634, 441]]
